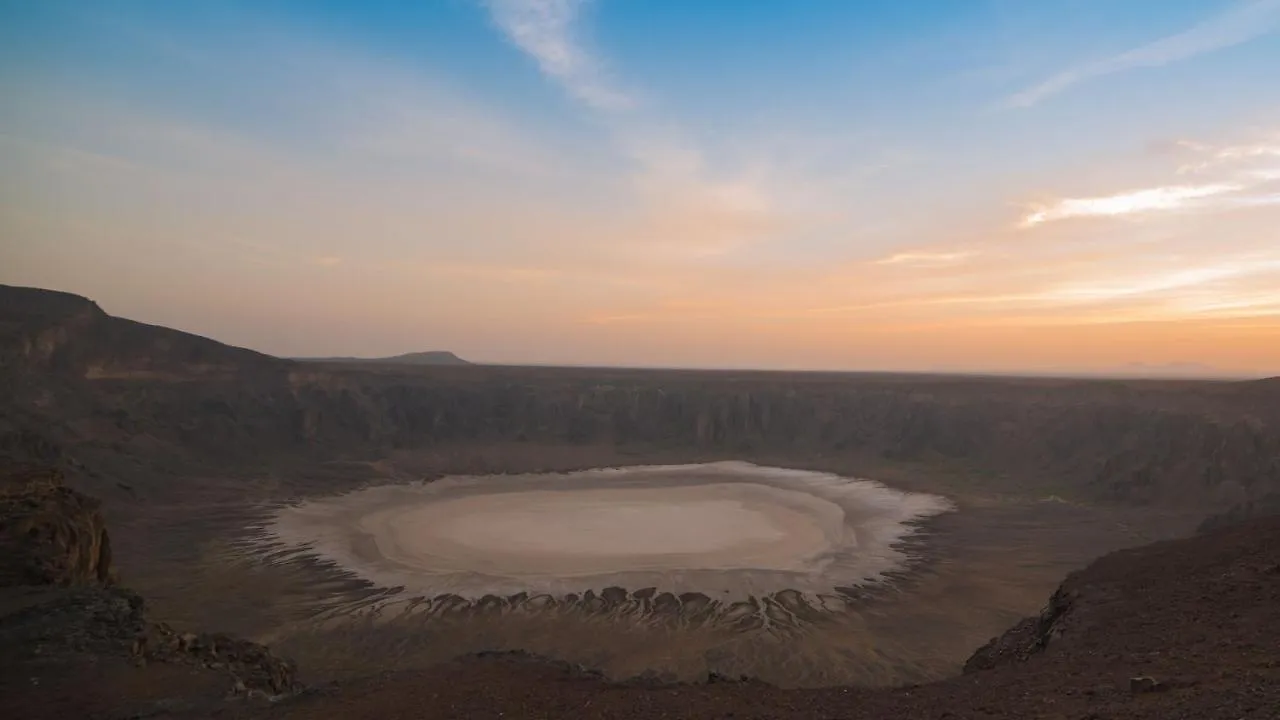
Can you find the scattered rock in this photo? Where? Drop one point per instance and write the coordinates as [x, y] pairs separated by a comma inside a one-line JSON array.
[[55, 560], [249, 664], [1144, 684]]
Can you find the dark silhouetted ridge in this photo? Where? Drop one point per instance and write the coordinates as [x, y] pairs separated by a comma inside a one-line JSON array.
[[44, 330]]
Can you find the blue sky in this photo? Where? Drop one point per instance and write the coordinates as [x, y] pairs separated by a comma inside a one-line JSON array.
[[986, 185]]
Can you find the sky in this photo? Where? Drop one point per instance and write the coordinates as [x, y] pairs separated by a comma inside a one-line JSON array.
[[937, 185]]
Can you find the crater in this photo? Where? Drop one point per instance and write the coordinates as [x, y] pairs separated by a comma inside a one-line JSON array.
[[729, 530]]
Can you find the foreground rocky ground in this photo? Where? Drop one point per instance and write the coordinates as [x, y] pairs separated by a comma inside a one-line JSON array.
[[74, 644], [1181, 629]]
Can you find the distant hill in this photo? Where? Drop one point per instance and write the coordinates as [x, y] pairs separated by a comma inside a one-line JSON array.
[[429, 357]]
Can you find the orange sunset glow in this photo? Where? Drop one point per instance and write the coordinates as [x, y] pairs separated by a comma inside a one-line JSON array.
[[1113, 209]]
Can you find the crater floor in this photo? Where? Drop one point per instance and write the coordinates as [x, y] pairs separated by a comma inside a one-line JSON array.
[[729, 530], [799, 578]]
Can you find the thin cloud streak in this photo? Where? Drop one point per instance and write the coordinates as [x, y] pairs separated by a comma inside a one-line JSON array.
[[1129, 203], [1244, 22], [544, 29], [1232, 177], [680, 204], [922, 258], [1218, 156], [1155, 284]]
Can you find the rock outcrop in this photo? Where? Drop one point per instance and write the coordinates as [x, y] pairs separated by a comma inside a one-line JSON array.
[[50, 534], [1030, 636], [59, 602]]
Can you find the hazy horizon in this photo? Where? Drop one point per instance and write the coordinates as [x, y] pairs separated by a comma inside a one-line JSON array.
[[1066, 187]]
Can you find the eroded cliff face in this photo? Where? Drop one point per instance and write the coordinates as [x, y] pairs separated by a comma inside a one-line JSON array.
[[1129, 442], [1190, 445]]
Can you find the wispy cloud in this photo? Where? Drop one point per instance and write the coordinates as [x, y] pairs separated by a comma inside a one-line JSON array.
[[1160, 283], [1232, 176], [1242, 23], [682, 206], [924, 258], [1209, 156], [1134, 202], [547, 31]]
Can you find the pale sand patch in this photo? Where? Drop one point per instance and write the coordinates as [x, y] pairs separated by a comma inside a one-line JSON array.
[[725, 529], [571, 533]]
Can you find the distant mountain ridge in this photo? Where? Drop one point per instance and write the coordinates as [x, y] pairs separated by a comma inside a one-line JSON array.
[[428, 357]]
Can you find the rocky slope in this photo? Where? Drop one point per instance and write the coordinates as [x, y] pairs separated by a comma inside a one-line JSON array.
[[65, 624]]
